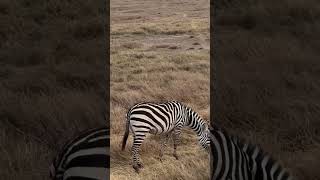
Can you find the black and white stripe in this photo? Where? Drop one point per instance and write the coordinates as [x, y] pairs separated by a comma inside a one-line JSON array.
[[232, 159], [84, 158], [162, 119]]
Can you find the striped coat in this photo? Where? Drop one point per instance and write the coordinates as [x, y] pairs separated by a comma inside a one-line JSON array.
[[232, 159], [162, 119], [84, 158]]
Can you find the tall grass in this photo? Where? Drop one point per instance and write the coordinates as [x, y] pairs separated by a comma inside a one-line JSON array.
[[158, 58]]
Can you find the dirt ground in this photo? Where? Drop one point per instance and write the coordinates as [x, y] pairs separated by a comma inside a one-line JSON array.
[[159, 52]]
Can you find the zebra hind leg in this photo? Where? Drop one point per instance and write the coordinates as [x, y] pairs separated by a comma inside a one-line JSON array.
[[137, 164]]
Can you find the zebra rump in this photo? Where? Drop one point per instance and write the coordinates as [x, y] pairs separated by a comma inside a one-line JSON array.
[[84, 158], [233, 159]]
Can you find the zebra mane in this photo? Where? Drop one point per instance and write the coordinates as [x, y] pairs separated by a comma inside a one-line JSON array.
[[202, 122], [198, 115]]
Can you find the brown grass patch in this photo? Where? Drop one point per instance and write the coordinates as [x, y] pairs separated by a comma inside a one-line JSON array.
[[159, 70]]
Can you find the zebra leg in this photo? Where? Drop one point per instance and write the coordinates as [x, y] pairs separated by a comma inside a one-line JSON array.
[[137, 141], [176, 142], [164, 142]]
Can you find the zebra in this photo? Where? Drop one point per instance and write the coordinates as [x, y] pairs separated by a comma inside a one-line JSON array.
[[233, 159], [166, 119], [86, 157]]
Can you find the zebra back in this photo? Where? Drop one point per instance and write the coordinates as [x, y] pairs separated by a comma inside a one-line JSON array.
[[86, 156], [232, 158]]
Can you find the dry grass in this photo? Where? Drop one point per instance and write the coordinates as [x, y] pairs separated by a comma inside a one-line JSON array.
[[51, 80], [268, 76], [150, 61], [165, 26], [152, 81]]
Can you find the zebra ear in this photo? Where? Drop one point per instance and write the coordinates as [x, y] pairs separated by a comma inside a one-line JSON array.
[[205, 128]]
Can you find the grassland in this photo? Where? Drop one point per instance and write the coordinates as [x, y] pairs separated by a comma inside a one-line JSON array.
[[268, 77], [52, 80], [159, 52]]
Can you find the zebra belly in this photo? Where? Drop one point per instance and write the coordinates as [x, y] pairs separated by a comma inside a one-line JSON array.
[[139, 128], [153, 131], [156, 131]]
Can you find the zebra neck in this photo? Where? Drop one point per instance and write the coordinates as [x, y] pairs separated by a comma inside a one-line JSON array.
[[194, 122]]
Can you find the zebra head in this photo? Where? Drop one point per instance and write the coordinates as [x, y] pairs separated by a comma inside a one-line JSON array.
[[204, 137]]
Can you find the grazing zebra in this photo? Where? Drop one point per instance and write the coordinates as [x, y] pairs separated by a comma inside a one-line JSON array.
[[84, 158], [162, 119], [232, 159]]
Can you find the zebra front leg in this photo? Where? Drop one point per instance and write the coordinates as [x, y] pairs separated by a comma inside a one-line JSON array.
[[164, 142], [137, 141], [176, 142]]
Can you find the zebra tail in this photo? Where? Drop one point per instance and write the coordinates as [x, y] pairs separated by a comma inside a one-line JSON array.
[[125, 136]]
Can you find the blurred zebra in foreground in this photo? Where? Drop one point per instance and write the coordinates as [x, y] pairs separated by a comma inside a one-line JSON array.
[[162, 119], [84, 158], [232, 159]]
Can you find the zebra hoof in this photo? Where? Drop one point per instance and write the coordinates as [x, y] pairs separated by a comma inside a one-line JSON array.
[[140, 166], [176, 156], [136, 168], [160, 158]]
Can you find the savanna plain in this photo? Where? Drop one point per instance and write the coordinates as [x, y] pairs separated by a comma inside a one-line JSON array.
[[267, 78]]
